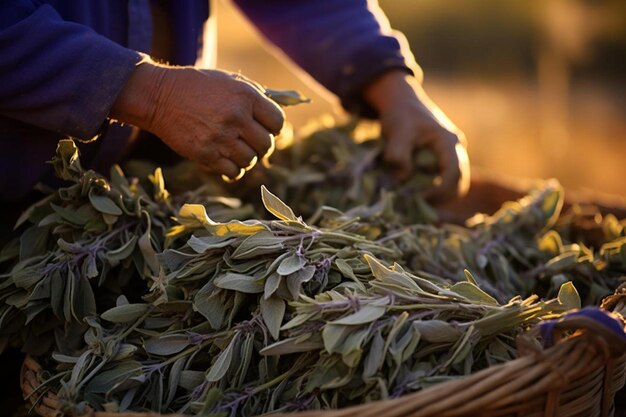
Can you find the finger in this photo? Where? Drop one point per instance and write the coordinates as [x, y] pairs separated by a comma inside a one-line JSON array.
[[242, 154], [399, 153], [225, 167], [268, 114], [258, 138], [239, 176], [453, 164]]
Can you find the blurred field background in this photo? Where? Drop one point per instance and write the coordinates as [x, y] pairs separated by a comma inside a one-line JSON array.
[[539, 88]]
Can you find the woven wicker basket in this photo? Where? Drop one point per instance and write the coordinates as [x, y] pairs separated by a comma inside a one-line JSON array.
[[578, 376]]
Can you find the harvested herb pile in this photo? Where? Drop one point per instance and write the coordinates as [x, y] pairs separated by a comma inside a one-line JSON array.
[[139, 300]]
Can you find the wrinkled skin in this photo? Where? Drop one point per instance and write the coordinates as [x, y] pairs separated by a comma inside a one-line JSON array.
[[218, 119], [225, 122], [409, 121]]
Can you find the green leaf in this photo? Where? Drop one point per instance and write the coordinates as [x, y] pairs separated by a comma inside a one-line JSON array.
[[347, 271], [273, 311], [166, 345], [276, 206], [125, 351], [292, 345], [286, 97], [190, 379], [173, 380], [73, 216], [568, 296], [115, 256], [33, 242], [211, 306], [295, 280], [205, 243], [271, 285], [564, 260], [469, 277], [382, 273], [223, 362], [291, 264], [473, 293], [108, 380], [259, 244], [437, 331], [334, 335], [375, 356], [366, 314], [147, 251], [125, 313], [239, 282], [104, 204]]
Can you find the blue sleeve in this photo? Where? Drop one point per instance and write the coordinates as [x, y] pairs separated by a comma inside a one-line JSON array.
[[343, 44], [58, 75]]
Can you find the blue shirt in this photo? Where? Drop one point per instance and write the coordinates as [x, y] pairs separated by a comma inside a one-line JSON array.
[[63, 63]]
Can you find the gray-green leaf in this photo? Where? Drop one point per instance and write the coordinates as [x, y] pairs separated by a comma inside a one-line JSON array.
[[239, 282], [104, 204], [125, 313], [223, 362], [273, 311]]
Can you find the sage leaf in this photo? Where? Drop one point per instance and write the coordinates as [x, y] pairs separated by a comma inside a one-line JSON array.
[[276, 206], [473, 293], [291, 264], [125, 313], [223, 362], [166, 345], [437, 331], [292, 345], [364, 315], [286, 97], [568, 296], [239, 282], [104, 204], [271, 285], [273, 311], [296, 279]]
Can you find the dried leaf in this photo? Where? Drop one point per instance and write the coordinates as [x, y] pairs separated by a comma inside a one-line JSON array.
[[568, 296], [276, 206]]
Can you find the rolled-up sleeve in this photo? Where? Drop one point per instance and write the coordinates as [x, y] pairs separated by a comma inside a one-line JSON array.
[[58, 75], [343, 44]]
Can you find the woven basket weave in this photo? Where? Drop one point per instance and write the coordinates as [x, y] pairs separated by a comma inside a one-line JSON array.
[[578, 376]]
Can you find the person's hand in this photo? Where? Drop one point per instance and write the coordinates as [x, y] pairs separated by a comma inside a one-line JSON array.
[[218, 119], [410, 121]]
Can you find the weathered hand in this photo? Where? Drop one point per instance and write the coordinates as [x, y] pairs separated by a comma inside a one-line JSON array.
[[410, 120], [220, 120]]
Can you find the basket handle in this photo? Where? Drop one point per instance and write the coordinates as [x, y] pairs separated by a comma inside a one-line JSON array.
[[610, 326]]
